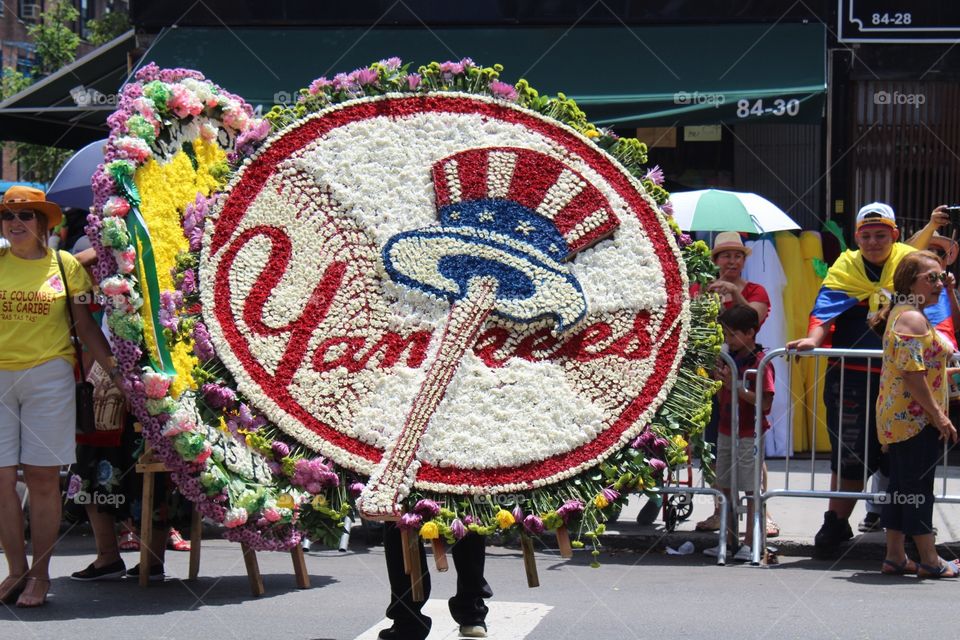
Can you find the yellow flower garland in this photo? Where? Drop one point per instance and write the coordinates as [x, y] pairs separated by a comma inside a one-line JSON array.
[[165, 191]]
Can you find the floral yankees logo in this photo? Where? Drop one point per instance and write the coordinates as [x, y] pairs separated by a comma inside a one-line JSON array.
[[444, 292]]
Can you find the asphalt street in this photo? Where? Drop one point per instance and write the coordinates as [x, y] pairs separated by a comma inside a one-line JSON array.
[[633, 595]]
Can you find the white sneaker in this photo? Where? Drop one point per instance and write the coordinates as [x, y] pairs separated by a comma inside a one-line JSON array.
[[742, 554], [473, 631], [713, 552]]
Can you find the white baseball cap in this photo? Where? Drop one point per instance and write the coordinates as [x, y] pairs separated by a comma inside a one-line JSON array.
[[876, 213]]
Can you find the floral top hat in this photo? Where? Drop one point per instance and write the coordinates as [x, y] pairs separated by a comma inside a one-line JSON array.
[[513, 214]]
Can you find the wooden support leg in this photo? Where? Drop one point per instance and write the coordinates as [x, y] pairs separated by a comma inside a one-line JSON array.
[[146, 528], [196, 531], [405, 545], [440, 555], [253, 571], [563, 542], [416, 569], [300, 567], [529, 561]]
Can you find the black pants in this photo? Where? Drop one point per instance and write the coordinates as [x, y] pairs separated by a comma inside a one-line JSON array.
[[912, 466], [466, 607], [857, 441]]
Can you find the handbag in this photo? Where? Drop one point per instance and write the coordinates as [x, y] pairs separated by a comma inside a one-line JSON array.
[[86, 421]]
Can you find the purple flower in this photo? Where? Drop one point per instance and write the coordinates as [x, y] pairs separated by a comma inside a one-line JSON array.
[[458, 529], [569, 509], [427, 508], [75, 485], [654, 175], [449, 69], [364, 77], [657, 465], [468, 520], [413, 81], [280, 449], [502, 90], [392, 64], [533, 524], [356, 488], [218, 397], [685, 240], [610, 494], [410, 521], [188, 284], [319, 85], [661, 443], [667, 208], [517, 513], [202, 345]]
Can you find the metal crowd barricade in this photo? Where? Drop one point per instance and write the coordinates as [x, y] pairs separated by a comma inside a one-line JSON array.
[[760, 497], [722, 542]]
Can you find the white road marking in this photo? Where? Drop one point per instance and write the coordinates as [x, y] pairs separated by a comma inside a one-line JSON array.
[[506, 620]]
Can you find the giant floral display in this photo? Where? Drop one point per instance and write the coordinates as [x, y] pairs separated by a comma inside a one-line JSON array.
[[433, 297]]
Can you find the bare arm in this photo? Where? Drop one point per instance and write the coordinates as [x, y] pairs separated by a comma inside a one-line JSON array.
[[814, 339], [938, 218], [94, 340], [918, 388]]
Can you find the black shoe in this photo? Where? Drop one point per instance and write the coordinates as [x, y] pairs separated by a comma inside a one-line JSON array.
[[870, 523], [648, 514], [107, 572], [156, 573], [404, 633], [832, 534]]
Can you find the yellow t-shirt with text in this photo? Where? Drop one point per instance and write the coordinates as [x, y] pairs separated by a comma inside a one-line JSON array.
[[34, 325]]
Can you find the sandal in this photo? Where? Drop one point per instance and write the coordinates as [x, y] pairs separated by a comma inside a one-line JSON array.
[[938, 572], [773, 529], [129, 541], [891, 568], [176, 542], [30, 598], [12, 587]]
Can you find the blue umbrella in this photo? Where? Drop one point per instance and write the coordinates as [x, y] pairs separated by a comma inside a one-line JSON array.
[[72, 186]]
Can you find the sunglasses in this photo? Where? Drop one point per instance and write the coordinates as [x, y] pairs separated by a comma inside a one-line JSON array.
[[934, 277], [24, 216]]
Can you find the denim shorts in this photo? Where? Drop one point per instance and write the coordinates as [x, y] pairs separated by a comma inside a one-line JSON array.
[[38, 415]]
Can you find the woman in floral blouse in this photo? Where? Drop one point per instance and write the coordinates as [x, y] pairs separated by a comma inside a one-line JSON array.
[[912, 416]]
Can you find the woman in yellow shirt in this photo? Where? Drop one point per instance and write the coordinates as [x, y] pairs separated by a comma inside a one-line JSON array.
[[912, 416], [37, 397]]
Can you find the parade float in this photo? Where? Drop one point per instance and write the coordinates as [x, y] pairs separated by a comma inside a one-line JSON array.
[[427, 296]]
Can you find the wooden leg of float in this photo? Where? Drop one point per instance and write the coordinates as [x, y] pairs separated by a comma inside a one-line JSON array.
[[196, 531], [440, 555], [253, 571], [405, 545], [300, 567], [563, 542], [529, 561], [146, 528], [416, 569]]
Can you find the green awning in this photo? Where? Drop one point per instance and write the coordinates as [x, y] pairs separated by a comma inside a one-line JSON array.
[[69, 108], [621, 76]]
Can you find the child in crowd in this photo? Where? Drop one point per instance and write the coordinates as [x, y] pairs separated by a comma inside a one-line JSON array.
[[740, 325]]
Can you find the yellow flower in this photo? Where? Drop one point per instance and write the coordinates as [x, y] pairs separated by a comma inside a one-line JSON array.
[[679, 441], [223, 425], [318, 501], [640, 484], [505, 519], [285, 501], [165, 191], [702, 372], [600, 502], [593, 133], [430, 531]]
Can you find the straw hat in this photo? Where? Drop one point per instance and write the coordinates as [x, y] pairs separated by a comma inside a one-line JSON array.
[[20, 197], [947, 245], [729, 241]]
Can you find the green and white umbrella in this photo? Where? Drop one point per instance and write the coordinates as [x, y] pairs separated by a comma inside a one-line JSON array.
[[717, 210]]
